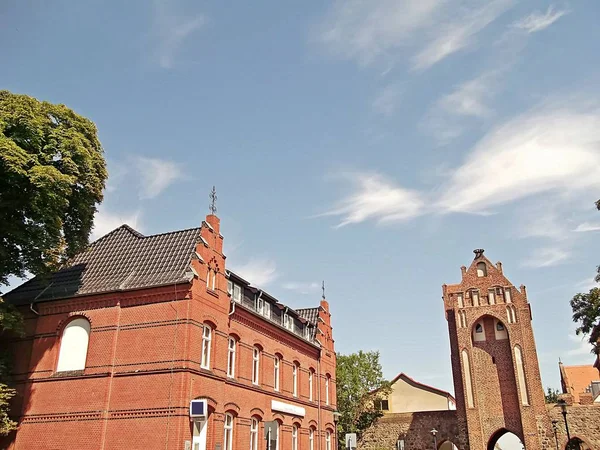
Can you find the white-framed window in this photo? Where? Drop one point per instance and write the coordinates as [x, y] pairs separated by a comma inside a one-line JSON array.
[[267, 310], [260, 305], [254, 434], [295, 437], [507, 296], [228, 434], [295, 379], [231, 357], [461, 303], [327, 440], [255, 365], [475, 297], [310, 384], [288, 321], [276, 363], [306, 332], [491, 296], [311, 439], [206, 343], [237, 293], [327, 390], [481, 269], [74, 345], [230, 287]]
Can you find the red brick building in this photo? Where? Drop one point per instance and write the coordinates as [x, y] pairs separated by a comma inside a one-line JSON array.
[[120, 342], [494, 359]]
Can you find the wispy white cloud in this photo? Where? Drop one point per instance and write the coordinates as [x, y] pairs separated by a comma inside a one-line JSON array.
[[587, 226], [460, 33], [544, 221], [546, 257], [539, 21], [368, 31], [538, 152], [172, 30], [105, 221], [386, 101], [302, 287], [376, 198], [258, 271], [155, 175], [470, 98], [583, 347]]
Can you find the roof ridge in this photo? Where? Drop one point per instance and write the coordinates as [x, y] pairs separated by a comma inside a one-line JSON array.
[[171, 232], [123, 226]]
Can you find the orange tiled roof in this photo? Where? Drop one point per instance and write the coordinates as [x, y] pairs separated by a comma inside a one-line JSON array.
[[576, 379]]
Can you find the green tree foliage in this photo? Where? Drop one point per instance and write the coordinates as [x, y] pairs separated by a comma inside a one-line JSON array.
[[552, 395], [52, 174], [10, 322], [359, 383]]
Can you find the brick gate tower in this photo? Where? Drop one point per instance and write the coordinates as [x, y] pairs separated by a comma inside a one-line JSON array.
[[494, 359]]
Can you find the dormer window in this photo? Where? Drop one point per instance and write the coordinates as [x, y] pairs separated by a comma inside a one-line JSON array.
[[306, 332], [260, 306], [288, 322], [481, 269], [235, 291]]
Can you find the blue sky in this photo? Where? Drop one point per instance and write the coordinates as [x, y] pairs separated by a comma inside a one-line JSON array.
[[372, 144]]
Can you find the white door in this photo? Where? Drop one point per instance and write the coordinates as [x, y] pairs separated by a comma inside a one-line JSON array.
[[199, 435]]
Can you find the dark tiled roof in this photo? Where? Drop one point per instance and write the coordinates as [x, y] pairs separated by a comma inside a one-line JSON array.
[[121, 260], [310, 314]]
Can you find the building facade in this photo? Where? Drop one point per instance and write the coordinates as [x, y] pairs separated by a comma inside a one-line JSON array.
[[119, 345], [408, 395]]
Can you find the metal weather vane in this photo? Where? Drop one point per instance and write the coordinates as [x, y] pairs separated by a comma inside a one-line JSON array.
[[213, 201]]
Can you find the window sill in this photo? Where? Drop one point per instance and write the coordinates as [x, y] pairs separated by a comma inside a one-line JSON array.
[[68, 373], [212, 292]]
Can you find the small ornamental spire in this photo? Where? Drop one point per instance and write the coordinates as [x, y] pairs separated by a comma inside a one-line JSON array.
[[478, 252], [213, 201], [323, 289]]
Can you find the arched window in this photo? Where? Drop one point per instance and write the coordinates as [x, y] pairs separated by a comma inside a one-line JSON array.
[[479, 332], [276, 362], [231, 357], [478, 328], [228, 434], [521, 375], [254, 434], [481, 269], [295, 437], [327, 389], [327, 440], [74, 345], [467, 372], [500, 331], [311, 439], [206, 344], [311, 373], [255, 365], [295, 370]]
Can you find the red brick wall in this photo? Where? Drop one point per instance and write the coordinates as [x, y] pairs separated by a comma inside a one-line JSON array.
[[143, 368]]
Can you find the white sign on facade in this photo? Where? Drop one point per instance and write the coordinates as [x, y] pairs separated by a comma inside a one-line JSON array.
[[287, 408]]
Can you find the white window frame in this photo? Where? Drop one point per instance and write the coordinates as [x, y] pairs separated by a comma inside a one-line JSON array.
[[327, 389], [230, 287], [306, 332], [311, 439], [294, 437], [327, 440], [276, 367], [310, 385], [492, 296], [254, 434], [461, 303], [288, 322], [206, 345], [260, 306], [74, 343], [231, 351], [228, 432], [256, 366], [267, 310], [237, 293], [295, 379], [507, 295]]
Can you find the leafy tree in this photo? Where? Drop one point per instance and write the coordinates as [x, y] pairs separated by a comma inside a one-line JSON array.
[[52, 174], [360, 383], [10, 321], [552, 395]]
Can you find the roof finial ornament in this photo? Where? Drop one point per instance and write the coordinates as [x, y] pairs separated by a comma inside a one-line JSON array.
[[213, 201], [478, 252], [323, 289]]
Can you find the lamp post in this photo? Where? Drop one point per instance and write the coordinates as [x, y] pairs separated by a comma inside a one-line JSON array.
[[563, 407], [336, 418], [555, 428], [434, 434]]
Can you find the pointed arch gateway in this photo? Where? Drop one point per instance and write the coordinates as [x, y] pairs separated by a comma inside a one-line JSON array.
[[504, 438]]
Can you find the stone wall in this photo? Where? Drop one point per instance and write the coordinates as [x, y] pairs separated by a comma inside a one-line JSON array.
[[584, 423], [414, 428]]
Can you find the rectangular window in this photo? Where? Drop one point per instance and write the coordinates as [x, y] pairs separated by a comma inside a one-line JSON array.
[[260, 305], [288, 322], [461, 303], [507, 295], [475, 297], [237, 293], [295, 380], [276, 373], [491, 297], [229, 287], [206, 339], [254, 434], [228, 435], [327, 390], [255, 365], [267, 310], [307, 332], [231, 358], [295, 437], [310, 385]]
